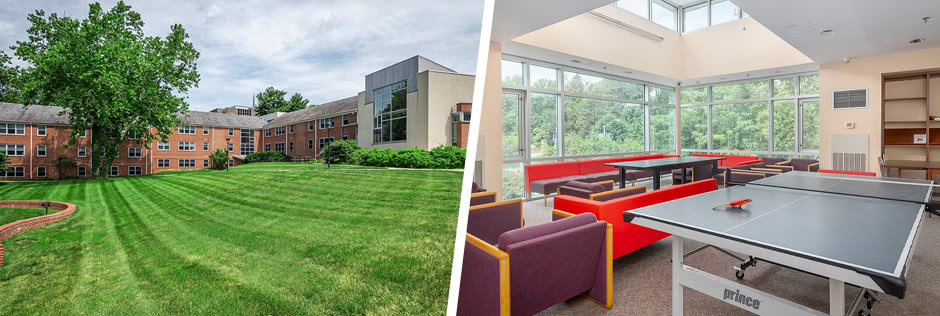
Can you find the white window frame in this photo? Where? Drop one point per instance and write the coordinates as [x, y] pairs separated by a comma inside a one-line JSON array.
[[41, 172], [205, 163], [309, 125], [16, 171], [231, 147], [84, 133], [131, 152], [205, 146], [82, 171], [41, 150], [163, 146], [18, 129], [163, 163], [41, 130], [310, 144], [186, 163], [186, 129], [205, 130], [231, 131], [114, 171], [18, 150], [135, 170], [82, 151], [186, 146]]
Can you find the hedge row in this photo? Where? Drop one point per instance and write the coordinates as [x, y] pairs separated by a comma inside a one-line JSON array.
[[348, 152]]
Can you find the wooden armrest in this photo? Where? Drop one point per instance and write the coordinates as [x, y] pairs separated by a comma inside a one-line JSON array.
[[767, 169], [562, 213], [503, 257], [763, 175], [484, 193], [642, 187], [604, 182], [810, 167], [782, 163], [784, 166]]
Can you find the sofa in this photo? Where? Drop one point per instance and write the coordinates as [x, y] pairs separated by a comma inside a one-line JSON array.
[[629, 237], [479, 195], [599, 191], [531, 269], [546, 178], [730, 160], [800, 164]]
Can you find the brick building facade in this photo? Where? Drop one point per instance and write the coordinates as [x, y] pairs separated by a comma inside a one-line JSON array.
[[303, 133]]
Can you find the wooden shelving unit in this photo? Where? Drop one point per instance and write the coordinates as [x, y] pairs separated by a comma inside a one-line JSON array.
[[903, 95]]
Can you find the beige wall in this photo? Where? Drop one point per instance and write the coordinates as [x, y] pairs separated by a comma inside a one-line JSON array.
[[738, 46], [865, 73], [444, 91], [413, 130], [490, 139]]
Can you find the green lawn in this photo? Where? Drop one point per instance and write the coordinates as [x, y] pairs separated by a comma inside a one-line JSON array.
[[9, 215], [274, 238]]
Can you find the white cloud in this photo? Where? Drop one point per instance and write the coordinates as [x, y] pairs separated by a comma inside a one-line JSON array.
[[322, 49]]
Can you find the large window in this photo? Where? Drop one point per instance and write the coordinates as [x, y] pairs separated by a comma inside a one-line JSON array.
[[512, 102], [594, 85], [600, 127], [247, 143], [776, 116], [544, 131], [512, 73], [390, 113], [13, 149], [638, 7], [724, 11], [662, 125], [664, 14], [543, 78], [692, 16], [14, 129], [695, 17]]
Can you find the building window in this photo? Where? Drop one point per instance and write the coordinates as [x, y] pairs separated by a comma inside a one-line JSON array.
[[292, 129], [186, 129], [390, 110], [12, 129], [267, 147], [345, 119], [40, 131], [41, 172], [13, 150], [664, 14], [310, 144], [267, 132], [113, 171], [83, 134], [187, 163], [309, 125], [327, 123], [279, 131], [205, 163], [134, 152], [231, 147], [205, 130], [41, 150], [186, 146], [82, 171], [279, 147], [14, 172], [324, 141], [82, 151], [345, 137], [134, 170], [290, 146], [205, 146], [163, 163], [231, 163], [163, 146], [231, 131], [247, 144]]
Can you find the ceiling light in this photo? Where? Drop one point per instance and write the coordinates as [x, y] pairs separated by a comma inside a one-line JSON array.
[[918, 40], [827, 32]]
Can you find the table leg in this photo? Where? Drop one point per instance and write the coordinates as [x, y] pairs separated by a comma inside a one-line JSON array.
[[677, 256], [682, 177], [836, 297], [655, 179], [623, 178]]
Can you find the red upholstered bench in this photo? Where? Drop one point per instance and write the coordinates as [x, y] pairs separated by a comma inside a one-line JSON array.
[[628, 237], [546, 178]]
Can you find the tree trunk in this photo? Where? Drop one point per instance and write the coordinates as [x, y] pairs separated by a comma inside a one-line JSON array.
[[104, 150]]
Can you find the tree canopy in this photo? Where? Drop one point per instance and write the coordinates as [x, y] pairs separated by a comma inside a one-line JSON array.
[[273, 100], [8, 75], [109, 75]]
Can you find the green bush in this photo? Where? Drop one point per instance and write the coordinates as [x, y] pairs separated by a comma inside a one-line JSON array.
[[266, 156], [448, 157], [340, 152], [413, 158], [219, 159], [377, 157]]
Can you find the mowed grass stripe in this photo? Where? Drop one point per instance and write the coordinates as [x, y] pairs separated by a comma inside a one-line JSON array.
[[254, 241]]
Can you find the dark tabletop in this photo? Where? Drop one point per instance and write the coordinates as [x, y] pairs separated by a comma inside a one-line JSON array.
[[661, 163]]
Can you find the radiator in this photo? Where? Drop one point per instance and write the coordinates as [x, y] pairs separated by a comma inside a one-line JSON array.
[[850, 152]]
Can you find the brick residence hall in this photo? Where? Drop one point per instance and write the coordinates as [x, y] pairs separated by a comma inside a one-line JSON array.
[[414, 103]]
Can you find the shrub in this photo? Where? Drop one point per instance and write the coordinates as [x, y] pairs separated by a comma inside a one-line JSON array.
[[219, 159], [266, 156], [377, 157], [340, 152], [413, 158], [448, 157]]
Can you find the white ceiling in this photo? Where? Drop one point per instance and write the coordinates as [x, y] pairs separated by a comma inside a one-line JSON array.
[[514, 18], [864, 28]]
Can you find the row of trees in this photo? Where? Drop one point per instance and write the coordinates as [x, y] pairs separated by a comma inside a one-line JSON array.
[[273, 100]]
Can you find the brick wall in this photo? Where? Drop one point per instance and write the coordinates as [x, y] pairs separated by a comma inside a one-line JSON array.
[[11, 229], [303, 136], [54, 141]]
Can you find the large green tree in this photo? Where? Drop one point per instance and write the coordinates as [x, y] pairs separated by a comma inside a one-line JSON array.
[[108, 76], [274, 100], [8, 75]]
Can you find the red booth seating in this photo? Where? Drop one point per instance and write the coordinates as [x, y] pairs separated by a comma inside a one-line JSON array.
[[546, 178], [629, 237], [857, 173]]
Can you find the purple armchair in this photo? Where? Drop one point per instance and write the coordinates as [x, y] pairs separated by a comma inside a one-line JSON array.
[[533, 268], [751, 172], [798, 164], [489, 221], [598, 191], [479, 195]]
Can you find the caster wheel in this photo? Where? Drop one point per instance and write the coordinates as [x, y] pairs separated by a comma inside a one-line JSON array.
[[739, 274]]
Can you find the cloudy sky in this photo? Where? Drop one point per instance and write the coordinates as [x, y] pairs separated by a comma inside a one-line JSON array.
[[322, 49]]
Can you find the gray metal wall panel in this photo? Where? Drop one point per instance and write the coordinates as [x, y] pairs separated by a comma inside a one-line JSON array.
[[405, 70]]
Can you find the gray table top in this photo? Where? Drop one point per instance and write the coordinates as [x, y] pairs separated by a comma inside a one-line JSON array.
[[661, 162], [860, 232]]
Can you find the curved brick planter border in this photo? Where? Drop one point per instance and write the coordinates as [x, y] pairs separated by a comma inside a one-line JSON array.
[[9, 230]]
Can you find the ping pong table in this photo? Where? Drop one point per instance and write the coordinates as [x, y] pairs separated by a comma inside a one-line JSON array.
[[850, 229]]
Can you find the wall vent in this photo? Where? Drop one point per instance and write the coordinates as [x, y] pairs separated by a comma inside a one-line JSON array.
[[850, 99], [850, 152]]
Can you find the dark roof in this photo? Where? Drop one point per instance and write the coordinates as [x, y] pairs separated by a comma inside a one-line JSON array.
[[349, 104], [43, 114]]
